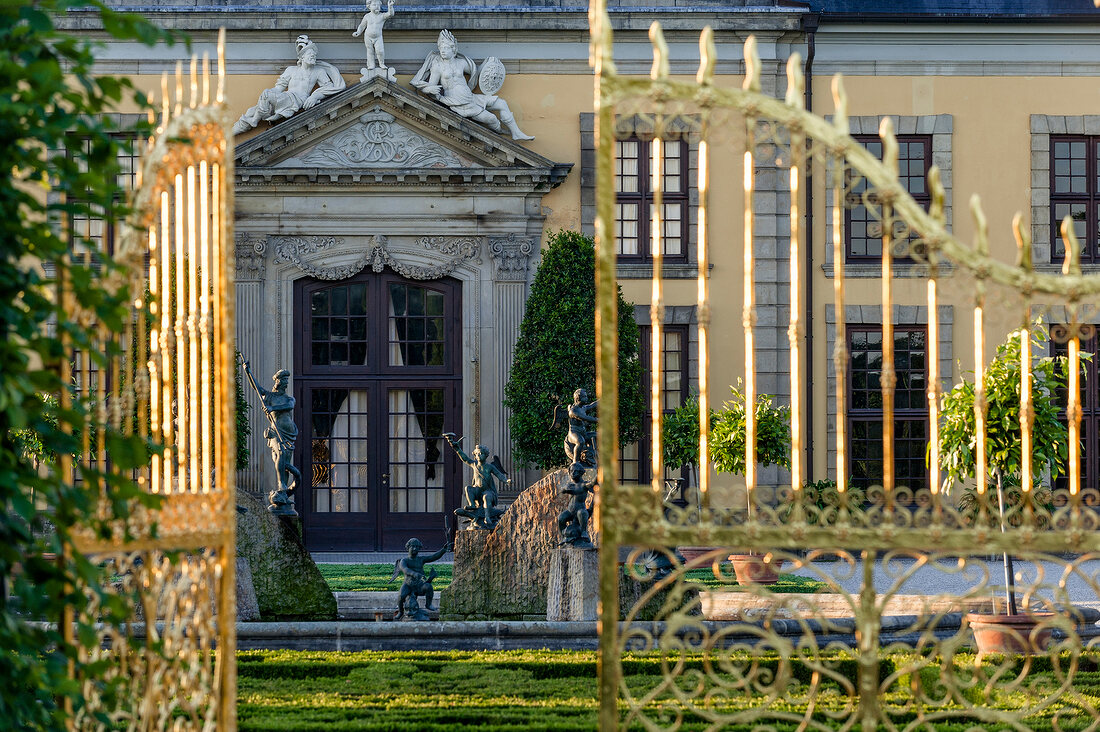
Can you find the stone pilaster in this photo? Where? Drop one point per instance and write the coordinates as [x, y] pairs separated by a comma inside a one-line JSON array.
[[772, 276], [251, 252], [511, 256]]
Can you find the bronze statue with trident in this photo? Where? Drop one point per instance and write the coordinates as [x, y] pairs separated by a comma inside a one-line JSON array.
[[281, 434]]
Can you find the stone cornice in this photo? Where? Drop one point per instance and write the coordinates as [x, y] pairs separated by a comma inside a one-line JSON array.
[[316, 17], [413, 179]]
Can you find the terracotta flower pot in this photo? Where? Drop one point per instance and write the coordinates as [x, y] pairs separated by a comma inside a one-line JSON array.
[[1010, 633], [752, 569]]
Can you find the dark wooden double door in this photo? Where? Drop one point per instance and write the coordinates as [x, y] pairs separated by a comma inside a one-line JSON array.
[[378, 382]]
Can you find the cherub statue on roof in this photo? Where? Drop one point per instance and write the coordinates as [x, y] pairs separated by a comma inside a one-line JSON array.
[[371, 30], [450, 77]]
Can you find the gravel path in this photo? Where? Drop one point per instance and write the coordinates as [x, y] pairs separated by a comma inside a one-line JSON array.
[[1081, 581]]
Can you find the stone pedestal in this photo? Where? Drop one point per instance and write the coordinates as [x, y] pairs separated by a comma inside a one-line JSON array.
[[248, 607], [385, 72], [574, 589]]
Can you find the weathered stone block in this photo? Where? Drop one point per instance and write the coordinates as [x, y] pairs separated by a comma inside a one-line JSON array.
[[286, 580], [468, 594], [248, 608], [573, 591], [504, 573]]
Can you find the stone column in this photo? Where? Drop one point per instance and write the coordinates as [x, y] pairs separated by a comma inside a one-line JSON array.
[[511, 255], [251, 250]]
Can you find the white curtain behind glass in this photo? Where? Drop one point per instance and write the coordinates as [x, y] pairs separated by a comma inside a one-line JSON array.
[[348, 450], [408, 454]]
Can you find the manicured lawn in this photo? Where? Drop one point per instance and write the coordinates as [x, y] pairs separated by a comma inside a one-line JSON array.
[[510, 691], [376, 577]]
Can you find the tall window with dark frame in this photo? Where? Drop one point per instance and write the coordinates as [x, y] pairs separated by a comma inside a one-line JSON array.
[[1090, 413], [910, 406], [99, 227], [634, 459], [1075, 192], [634, 200], [92, 234], [862, 230]]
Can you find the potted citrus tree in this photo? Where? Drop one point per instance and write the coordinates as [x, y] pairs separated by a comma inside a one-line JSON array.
[[680, 435], [1010, 631]]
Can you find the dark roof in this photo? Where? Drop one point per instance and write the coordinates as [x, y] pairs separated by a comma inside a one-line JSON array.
[[957, 9]]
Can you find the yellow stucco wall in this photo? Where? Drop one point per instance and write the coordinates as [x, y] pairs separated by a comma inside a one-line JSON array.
[[991, 156]]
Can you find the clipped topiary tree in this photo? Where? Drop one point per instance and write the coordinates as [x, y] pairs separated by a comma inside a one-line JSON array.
[[556, 353]]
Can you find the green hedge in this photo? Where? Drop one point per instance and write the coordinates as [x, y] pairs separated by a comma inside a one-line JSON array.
[[504, 691]]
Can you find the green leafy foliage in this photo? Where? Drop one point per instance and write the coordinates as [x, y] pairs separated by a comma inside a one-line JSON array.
[[680, 434], [1004, 444], [50, 98], [556, 352]]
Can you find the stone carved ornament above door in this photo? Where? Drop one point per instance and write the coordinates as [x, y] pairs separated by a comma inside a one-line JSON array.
[[377, 140], [302, 252]]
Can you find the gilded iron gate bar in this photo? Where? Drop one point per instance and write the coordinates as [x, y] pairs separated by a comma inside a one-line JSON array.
[[171, 377], [845, 657]]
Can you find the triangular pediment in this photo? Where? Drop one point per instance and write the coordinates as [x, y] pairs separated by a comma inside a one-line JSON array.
[[378, 140], [379, 127]]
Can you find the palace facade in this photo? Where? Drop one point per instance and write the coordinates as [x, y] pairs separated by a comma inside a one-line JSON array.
[[386, 242]]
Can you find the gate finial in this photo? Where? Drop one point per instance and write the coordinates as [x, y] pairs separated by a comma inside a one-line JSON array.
[[707, 56], [795, 85], [1072, 265], [840, 104], [600, 47], [939, 196], [889, 147], [752, 66], [660, 52], [981, 226], [179, 88], [1023, 242]]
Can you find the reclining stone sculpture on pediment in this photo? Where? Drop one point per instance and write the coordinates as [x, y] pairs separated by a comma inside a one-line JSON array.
[[300, 87]]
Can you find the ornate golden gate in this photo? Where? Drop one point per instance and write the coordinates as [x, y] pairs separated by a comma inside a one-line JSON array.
[[794, 664], [171, 379]]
